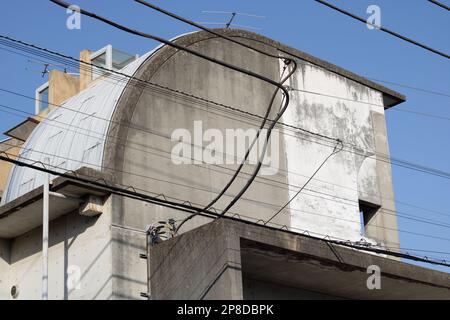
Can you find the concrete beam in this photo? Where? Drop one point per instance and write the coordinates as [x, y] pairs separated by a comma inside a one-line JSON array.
[[92, 206], [213, 262]]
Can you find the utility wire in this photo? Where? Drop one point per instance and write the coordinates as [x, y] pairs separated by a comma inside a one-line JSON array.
[[406, 86], [393, 33], [397, 213], [231, 108], [440, 4], [164, 136], [200, 55], [99, 70], [259, 202], [385, 157], [151, 132], [129, 193], [397, 109], [251, 200], [154, 86], [335, 151]]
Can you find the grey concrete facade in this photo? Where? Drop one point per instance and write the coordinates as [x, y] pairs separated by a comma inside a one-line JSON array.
[[233, 260], [138, 149]]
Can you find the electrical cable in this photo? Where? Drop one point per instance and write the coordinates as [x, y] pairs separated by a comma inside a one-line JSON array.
[[389, 159], [189, 208], [395, 34], [200, 55], [207, 190], [335, 151], [103, 135], [161, 135], [407, 204], [177, 17], [268, 204], [440, 4], [89, 65]]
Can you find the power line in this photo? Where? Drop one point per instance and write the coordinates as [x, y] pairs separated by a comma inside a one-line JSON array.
[[397, 109], [159, 134], [129, 193], [386, 158], [99, 70], [406, 86], [215, 33], [240, 110], [335, 151], [222, 63], [422, 114], [393, 33], [440, 4], [177, 17], [257, 201], [164, 136], [212, 102], [288, 186]]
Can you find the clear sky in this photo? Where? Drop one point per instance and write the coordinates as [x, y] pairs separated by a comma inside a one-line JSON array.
[[305, 25]]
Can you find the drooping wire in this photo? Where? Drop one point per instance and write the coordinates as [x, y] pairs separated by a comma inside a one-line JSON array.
[[138, 79], [200, 55], [190, 186], [338, 148], [393, 33], [130, 193], [440, 4]]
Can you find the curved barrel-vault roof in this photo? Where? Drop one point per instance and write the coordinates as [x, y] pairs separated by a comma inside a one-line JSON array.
[[74, 134]]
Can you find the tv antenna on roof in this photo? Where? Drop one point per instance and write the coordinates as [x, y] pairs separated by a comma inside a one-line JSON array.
[[46, 66], [233, 15]]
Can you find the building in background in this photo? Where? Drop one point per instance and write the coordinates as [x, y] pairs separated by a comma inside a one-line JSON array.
[[106, 126]]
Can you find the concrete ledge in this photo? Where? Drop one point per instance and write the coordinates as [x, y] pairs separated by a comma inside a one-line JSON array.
[[218, 260], [25, 213]]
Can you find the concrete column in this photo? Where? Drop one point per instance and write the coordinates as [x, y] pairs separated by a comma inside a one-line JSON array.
[[5, 253], [386, 231]]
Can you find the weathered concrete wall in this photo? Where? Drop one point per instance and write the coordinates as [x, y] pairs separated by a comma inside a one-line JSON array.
[[79, 259], [233, 259], [129, 271], [199, 265], [386, 217], [329, 204], [5, 250], [138, 153], [149, 117]]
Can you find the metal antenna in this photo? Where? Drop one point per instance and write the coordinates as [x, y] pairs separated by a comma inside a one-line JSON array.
[[47, 66], [232, 18], [233, 14]]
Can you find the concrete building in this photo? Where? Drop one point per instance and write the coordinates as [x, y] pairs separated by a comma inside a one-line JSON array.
[[106, 126]]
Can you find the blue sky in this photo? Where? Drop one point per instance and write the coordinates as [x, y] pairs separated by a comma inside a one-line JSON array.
[[305, 25]]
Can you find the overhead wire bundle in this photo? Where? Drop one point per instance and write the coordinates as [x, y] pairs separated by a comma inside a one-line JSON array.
[[197, 211], [279, 86]]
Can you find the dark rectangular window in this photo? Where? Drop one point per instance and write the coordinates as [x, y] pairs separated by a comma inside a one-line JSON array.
[[367, 211]]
